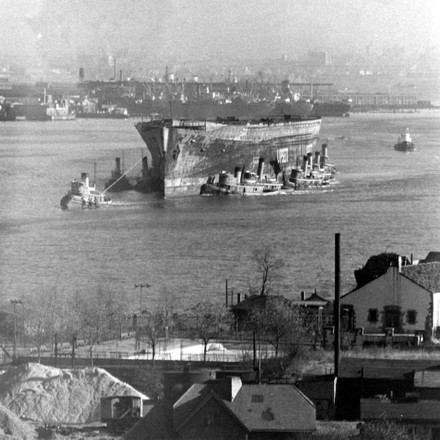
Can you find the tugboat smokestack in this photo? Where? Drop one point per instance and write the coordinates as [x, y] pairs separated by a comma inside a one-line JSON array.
[[85, 178], [324, 157], [318, 159], [237, 173], [260, 167]]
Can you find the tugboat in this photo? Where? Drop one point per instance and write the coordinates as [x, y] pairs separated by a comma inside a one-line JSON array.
[[315, 172], [7, 112], [249, 185], [404, 142], [83, 195]]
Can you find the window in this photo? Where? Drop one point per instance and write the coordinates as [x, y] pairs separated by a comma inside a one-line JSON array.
[[411, 316], [257, 398], [373, 315]]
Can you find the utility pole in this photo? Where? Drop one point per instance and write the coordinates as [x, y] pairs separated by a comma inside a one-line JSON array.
[[337, 318], [14, 303], [227, 294], [141, 286]]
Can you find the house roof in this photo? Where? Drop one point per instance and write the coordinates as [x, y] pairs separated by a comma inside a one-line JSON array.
[[432, 256], [155, 424], [395, 369], [426, 275], [316, 297], [274, 408], [317, 387], [313, 300], [421, 411], [190, 401], [253, 301]]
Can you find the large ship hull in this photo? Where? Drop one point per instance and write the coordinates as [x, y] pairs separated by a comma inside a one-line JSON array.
[[184, 153], [207, 109], [331, 108]]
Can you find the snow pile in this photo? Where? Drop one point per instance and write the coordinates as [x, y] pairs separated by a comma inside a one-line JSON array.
[[11, 427], [52, 395]]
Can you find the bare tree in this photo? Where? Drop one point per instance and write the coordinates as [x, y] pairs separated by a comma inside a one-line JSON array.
[[98, 316], [44, 319], [267, 266], [278, 321], [208, 321], [151, 327]]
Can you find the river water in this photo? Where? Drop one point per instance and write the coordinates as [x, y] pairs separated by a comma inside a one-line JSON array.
[[185, 249]]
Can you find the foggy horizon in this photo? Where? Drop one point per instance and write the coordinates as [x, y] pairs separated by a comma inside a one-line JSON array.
[[40, 31]]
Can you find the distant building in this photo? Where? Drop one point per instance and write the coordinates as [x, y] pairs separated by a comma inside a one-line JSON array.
[[319, 59], [243, 309]]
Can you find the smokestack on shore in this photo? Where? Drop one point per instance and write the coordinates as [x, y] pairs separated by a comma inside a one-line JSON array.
[[337, 318], [337, 309]]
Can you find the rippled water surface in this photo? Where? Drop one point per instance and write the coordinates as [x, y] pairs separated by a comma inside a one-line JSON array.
[[384, 201]]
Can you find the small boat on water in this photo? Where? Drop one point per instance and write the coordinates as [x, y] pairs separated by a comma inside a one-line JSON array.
[[250, 184], [313, 173], [84, 195], [404, 142]]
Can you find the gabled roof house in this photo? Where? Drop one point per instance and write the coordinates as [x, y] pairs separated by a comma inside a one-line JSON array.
[[405, 298]]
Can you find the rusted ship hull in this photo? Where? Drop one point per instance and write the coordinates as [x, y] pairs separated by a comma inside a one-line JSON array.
[[184, 153]]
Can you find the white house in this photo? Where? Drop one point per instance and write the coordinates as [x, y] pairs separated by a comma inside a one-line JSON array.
[[406, 298]]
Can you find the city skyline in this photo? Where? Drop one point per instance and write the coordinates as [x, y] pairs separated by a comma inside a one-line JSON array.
[[37, 33]]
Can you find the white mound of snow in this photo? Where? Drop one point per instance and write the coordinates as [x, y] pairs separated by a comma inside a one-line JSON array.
[[52, 395], [11, 427]]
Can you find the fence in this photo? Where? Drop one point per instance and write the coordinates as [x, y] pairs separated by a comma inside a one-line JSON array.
[[177, 350]]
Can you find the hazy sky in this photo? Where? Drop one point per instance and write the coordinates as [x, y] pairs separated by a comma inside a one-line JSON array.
[[191, 29]]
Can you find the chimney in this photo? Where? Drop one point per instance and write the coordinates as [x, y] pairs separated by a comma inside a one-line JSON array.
[[234, 386], [303, 295]]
